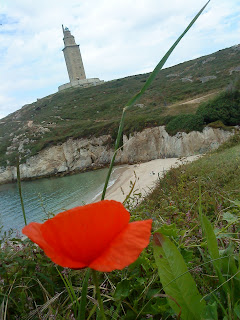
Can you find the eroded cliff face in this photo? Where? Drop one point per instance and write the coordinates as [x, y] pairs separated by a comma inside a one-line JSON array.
[[154, 143], [84, 154]]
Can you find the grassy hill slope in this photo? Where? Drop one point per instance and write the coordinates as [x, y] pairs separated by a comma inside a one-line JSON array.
[[96, 110]]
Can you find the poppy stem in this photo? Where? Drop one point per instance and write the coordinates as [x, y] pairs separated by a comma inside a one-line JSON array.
[[95, 281]]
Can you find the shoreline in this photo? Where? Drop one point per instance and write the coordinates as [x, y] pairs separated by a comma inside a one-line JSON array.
[[140, 179], [55, 175]]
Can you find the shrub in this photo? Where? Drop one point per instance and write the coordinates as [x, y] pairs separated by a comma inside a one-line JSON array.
[[185, 123], [219, 125], [225, 107]]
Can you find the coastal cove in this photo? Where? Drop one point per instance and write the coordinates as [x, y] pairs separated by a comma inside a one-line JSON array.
[[48, 196], [78, 155]]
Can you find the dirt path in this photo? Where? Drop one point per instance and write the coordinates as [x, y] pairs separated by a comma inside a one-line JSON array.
[[200, 99]]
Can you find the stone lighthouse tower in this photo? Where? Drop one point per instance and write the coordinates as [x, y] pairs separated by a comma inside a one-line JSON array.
[[74, 64], [72, 57]]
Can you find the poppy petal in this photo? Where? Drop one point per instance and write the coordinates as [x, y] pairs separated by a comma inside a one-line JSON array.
[[76, 237], [34, 233], [125, 248]]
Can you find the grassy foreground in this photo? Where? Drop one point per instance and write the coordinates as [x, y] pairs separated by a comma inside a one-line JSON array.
[[31, 288]]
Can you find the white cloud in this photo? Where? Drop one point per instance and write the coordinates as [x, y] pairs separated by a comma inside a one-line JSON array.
[[117, 38]]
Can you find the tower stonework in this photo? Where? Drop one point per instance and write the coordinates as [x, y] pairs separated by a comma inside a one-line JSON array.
[[74, 64], [72, 57]]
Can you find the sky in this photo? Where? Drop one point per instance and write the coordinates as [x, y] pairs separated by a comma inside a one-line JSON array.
[[116, 38]]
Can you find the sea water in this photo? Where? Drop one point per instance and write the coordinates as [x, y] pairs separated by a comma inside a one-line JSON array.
[[44, 197]]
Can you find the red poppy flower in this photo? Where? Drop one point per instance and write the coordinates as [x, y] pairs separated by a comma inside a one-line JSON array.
[[96, 235]]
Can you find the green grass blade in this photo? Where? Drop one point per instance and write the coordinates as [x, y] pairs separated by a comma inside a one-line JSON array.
[[210, 235], [101, 313], [213, 250], [176, 280], [82, 308], [211, 241], [92, 312], [120, 130], [212, 244], [68, 288], [20, 192], [131, 102], [75, 299]]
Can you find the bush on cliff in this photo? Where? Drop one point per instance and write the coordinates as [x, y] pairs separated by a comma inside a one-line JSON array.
[[225, 107], [185, 123]]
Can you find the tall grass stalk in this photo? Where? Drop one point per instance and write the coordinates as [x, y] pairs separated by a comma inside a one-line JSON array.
[[20, 192], [100, 303], [137, 96], [83, 301]]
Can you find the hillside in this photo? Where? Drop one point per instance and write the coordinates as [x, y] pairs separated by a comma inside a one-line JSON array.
[[96, 110]]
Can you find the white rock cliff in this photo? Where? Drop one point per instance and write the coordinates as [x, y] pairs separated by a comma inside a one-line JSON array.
[[84, 154]]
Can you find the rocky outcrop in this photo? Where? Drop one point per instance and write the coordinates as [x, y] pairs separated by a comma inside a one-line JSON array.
[[207, 78], [209, 60], [236, 69], [85, 154]]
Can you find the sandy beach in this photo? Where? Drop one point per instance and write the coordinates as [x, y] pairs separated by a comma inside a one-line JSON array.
[[143, 175]]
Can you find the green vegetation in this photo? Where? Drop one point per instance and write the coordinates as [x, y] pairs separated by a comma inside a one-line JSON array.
[[31, 287], [185, 123], [224, 108], [223, 111], [97, 110]]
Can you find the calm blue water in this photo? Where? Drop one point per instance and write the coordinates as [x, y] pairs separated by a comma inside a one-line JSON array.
[[49, 195]]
